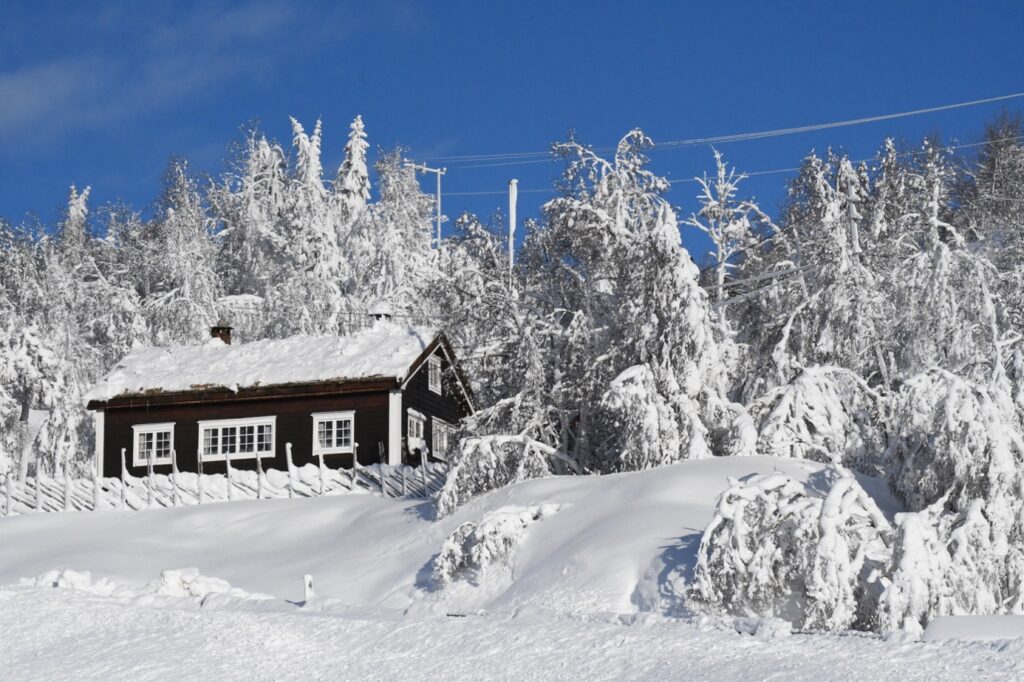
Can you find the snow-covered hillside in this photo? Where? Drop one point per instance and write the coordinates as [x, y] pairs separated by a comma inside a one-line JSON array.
[[591, 590]]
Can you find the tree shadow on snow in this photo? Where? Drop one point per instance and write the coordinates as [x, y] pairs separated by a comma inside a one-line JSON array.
[[425, 510], [425, 578], [675, 568]]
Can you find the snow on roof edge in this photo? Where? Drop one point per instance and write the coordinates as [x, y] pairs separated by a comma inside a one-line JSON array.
[[384, 350]]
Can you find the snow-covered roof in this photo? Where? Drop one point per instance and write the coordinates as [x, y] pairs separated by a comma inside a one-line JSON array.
[[385, 350]]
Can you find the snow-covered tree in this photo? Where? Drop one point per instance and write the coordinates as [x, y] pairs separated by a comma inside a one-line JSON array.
[[773, 548]]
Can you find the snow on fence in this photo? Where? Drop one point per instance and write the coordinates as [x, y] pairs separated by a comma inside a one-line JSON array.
[[44, 494]]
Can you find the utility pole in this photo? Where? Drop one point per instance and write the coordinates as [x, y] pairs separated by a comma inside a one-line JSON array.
[[513, 195], [438, 172]]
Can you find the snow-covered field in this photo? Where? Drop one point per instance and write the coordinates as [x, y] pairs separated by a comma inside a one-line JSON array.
[[591, 591]]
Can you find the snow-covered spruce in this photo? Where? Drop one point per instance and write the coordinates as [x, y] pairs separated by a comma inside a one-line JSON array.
[[472, 547]]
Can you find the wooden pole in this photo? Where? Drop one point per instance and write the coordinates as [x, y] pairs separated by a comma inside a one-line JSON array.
[[380, 456], [96, 487], [10, 492], [320, 456], [67, 485], [149, 478], [423, 471], [175, 490], [291, 470], [199, 475], [355, 466], [259, 477], [124, 484], [227, 464]]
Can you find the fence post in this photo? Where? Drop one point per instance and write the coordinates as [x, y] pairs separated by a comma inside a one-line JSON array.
[[291, 470], [199, 476], [320, 456], [405, 485], [380, 456], [259, 477], [227, 463], [67, 485], [10, 492], [124, 483], [149, 479], [355, 466], [423, 471], [96, 487], [175, 491]]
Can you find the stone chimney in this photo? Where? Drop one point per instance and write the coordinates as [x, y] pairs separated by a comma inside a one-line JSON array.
[[221, 331]]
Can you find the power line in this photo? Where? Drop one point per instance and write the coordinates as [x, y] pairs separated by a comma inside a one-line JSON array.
[[517, 158], [757, 173]]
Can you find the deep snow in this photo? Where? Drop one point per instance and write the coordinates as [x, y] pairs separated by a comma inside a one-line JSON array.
[[590, 591]]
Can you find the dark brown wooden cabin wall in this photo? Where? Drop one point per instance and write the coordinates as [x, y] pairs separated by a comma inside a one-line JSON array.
[[417, 395], [294, 425]]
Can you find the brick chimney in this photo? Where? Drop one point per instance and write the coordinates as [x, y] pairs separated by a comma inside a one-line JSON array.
[[221, 331]]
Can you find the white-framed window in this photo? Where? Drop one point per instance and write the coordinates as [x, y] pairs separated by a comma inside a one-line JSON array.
[[333, 432], [442, 437], [246, 438], [152, 443], [416, 424], [434, 373]]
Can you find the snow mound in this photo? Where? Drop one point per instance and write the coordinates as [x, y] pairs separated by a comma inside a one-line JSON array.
[[385, 350], [173, 584], [473, 547], [974, 628]]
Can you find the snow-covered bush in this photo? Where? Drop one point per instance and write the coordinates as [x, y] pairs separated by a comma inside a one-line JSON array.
[[774, 548], [473, 547]]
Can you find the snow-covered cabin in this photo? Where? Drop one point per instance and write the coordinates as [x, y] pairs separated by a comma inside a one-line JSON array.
[[389, 392]]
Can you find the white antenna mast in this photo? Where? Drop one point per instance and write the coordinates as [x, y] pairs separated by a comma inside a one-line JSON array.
[[438, 172], [513, 195]]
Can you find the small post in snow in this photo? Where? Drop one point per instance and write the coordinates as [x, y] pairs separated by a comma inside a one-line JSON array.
[[199, 476], [320, 457], [96, 487], [175, 491], [291, 469], [380, 454], [307, 589], [149, 478], [355, 466], [405, 485], [423, 471], [227, 465], [124, 483], [259, 477], [10, 492], [67, 485]]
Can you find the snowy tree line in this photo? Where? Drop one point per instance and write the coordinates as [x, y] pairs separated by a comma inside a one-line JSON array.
[[874, 325]]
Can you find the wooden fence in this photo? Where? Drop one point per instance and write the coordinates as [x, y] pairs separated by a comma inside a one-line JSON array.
[[44, 494]]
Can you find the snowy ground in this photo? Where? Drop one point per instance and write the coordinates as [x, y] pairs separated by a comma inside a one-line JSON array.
[[591, 592]]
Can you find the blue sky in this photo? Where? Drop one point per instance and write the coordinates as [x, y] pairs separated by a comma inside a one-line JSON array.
[[102, 94]]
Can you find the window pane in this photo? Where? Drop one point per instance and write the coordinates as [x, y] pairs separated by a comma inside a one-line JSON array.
[[163, 445], [246, 438], [229, 440], [209, 441], [344, 433], [325, 434], [264, 437]]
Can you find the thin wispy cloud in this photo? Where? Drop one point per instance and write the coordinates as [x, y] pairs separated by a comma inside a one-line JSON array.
[[136, 69]]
